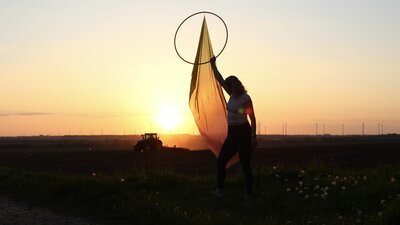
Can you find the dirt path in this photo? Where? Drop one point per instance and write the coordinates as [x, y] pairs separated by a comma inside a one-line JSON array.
[[12, 213]]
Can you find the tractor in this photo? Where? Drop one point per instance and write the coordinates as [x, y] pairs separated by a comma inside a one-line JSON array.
[[149, 142]]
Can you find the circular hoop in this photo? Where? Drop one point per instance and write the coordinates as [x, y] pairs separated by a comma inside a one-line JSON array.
[[176, 33]]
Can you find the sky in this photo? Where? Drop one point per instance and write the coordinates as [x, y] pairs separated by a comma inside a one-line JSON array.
[[110, 67]]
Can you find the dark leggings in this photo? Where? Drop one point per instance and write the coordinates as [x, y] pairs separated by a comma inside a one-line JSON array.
[[238, 140]]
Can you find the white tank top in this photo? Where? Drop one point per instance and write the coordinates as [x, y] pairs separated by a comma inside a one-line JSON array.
[[236, 109]]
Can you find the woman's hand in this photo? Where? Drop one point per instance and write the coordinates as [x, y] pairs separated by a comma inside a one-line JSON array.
[[254, 142], [212, 60]]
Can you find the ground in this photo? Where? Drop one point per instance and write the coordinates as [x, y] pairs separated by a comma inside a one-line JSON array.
[[92, 160], [12, 213], [108, 160]]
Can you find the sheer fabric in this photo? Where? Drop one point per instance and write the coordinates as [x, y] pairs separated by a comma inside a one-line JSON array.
[[206, 100]]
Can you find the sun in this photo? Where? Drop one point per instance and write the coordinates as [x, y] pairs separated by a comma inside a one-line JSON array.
[[169, 117]]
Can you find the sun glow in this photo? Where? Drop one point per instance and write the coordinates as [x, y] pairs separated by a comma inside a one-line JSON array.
[[169, 117]]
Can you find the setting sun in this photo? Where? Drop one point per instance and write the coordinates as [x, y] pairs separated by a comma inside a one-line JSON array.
[[169, 117]]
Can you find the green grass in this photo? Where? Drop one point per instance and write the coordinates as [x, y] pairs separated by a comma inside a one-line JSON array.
[[370, 196]]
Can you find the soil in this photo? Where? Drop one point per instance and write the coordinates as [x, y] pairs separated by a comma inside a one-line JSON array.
[[109, 160]]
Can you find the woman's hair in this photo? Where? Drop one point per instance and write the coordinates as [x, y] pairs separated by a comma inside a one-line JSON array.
[[233, 81]]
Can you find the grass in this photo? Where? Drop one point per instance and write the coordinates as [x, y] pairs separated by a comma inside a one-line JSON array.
[[314, 195]]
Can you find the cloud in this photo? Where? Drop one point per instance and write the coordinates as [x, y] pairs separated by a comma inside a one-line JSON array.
[[25, 113], [90, 115], [110, 115]]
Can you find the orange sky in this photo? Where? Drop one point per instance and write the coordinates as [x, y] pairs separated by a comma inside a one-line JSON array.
[[108, 67]]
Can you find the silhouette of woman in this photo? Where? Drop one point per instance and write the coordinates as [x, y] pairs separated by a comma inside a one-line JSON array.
[[241, 136]]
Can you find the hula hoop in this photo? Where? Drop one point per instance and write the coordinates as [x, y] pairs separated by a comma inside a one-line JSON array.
[[177, 30]]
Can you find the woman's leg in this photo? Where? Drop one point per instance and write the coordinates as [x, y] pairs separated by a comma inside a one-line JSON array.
[[227, 152], [244, 149]]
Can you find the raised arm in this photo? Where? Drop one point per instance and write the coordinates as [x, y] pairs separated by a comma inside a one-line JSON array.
[[218, 76]]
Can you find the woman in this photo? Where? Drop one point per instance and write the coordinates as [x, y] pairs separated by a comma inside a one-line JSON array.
[[241, 136]]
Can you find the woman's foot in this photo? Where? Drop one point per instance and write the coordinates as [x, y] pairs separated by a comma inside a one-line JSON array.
[[218, 193]]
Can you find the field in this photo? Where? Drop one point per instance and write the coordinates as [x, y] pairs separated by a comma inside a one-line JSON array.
[[297, 181]]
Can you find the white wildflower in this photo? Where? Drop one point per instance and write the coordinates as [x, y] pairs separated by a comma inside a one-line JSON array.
[[380, 213], [93, 174], [122, 179], [324, 195], [333, 183], [343, 187], [288, 189]]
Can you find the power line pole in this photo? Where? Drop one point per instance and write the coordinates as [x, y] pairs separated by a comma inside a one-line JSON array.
[[323, 129], [363, 129], [285, 128], [342, 129], [316, 129], [379, 128]]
